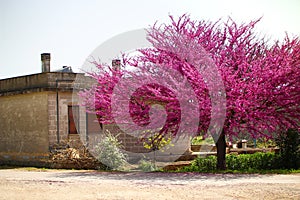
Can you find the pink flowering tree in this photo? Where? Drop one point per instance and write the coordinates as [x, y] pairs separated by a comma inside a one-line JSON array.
[[208, 78]]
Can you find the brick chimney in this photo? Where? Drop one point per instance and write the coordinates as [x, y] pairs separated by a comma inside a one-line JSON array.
[[116, 64], [45, 58]]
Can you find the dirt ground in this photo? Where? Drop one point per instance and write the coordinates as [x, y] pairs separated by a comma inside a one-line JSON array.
[[78, 184]]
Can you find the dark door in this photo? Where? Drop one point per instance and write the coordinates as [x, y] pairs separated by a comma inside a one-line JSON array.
[[73, 118]]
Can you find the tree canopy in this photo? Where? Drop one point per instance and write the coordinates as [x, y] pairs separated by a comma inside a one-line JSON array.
[[217, 77]]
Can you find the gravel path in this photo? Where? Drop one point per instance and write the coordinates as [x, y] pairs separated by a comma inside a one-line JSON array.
[[79, 184]]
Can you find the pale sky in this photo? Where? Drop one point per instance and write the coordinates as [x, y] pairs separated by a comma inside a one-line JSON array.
[[71, 29]]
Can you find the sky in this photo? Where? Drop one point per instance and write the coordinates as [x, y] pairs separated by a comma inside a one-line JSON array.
[[71, 29]]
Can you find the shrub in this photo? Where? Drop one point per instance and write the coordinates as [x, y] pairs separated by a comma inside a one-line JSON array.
[[243, 162], [147, 166], [259, 161], [108, 152], [289, 145], [205, 164]]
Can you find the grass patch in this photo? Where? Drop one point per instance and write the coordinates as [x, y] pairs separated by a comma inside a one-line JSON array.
[[24, 168], [8, 167], [33, 169]]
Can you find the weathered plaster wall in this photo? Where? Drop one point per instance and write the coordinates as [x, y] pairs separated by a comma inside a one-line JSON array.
[[24, 129], [24, 123]]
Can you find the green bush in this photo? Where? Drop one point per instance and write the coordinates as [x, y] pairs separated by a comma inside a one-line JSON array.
[[204, 164], [243, 162], [108, 152], [259, 161], [289, 145], [147, 166]]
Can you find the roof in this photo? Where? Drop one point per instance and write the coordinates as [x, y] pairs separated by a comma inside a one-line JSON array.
[[49, 81]]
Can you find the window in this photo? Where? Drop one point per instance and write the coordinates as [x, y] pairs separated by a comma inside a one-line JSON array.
[[73, 119]]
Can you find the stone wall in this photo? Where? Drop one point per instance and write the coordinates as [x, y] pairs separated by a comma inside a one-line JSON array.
[[129, 142], [28, 119], [24, 127]]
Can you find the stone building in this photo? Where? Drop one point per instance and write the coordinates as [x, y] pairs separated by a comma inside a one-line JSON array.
[[40, 112]]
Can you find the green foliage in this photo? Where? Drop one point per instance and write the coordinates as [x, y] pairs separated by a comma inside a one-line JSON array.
[[147, 166], [259, 161], [157, 142], [243, 162], [204, 164], [264, 143], [249, 171], [289, 145], [109, 153]]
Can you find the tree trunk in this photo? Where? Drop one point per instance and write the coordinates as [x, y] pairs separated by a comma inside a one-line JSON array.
[[221, 152]]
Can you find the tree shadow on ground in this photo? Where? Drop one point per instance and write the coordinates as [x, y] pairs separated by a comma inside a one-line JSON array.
[[157, 176]]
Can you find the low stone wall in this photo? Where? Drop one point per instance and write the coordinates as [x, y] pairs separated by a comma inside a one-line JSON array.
[[203, 148]]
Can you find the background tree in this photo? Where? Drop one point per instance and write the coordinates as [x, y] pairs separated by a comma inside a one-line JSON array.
[[261, 81]]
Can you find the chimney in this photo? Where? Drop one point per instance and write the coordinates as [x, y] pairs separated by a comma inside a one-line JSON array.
[[45, 58], [116, 64]]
